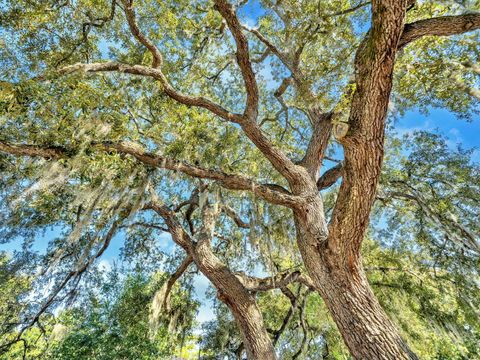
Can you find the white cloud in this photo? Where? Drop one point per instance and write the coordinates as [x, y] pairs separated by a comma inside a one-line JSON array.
[[425, 126], [104, 265]]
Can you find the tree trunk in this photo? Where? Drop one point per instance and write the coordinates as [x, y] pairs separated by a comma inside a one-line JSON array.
[[341, 281], [366, 329], [332, 254]]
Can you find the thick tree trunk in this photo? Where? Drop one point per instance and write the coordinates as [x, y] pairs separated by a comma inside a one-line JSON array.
[[341, 281], [366, 329], [332, 254]]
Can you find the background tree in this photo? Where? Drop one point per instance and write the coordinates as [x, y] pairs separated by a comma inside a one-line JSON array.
[[176, 117]]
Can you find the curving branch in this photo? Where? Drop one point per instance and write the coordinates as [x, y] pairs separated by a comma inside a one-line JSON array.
[[291, 310], [278, 281], [243, 57], [229, 288], [276, 156], [303, 323], [286, 58], [235, 217], [273, 282], [157, 74], [270, 193], [349, 10], [161, 299], [274, 194], [443, 220], [136, 32], [439, 26], [248, 121]]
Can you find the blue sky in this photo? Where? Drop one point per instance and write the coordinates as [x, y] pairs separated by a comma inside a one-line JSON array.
[[458, 131]]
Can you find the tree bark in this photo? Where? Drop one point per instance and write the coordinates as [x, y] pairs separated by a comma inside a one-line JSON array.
[[230, 290], [241, 303], [363, 324], [332, 255]]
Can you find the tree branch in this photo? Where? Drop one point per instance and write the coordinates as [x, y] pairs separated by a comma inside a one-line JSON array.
[[249, 121], [51, 152], [278, 159], [330, 177], [322, 129], [161, 299], [269, 192], [198, 101], [439, 26], [235, 217], [243, 57], [135, 30], [72, 274], [273, 282]]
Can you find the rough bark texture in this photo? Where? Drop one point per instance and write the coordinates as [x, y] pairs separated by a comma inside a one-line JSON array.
[[365, 327], [332, 257], [230, 290]]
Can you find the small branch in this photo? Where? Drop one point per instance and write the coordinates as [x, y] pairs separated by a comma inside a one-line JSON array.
[[293, 306], [72, 274], [284, 57], [303, 323], [161, 299], [235, 217], [274, 282], [330, 177], [348, 11]]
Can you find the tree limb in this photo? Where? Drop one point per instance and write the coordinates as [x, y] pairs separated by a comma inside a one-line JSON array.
[[322, 129], [50, 152], [273, 282], [439, 26], [278, 159], [161, 299], [249, 121], [198, 101], [235, 217], [243, 57], [330, 177], [269, 192], [135, 30]]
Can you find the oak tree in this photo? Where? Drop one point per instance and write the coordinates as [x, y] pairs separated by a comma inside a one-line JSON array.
[[182, 117]]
